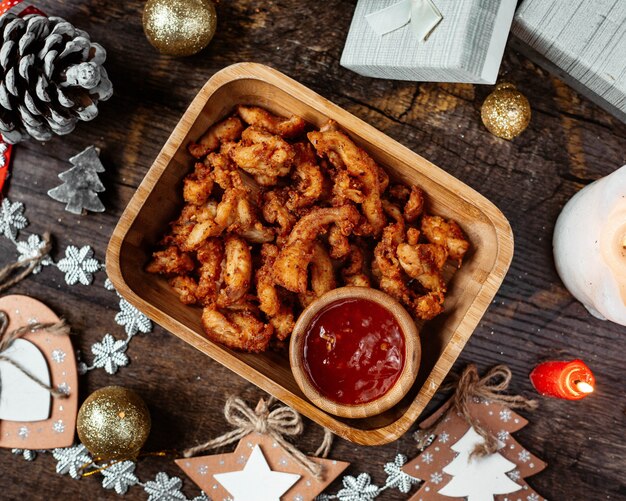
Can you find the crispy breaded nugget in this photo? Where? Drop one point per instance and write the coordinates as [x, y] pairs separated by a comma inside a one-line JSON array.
[[322, 275], [275, 211], [227, 130], [170, 261], [354, 270], [198, 185], [272, 300], [211, 258], [414, 205], [339, 242], [290, 270], [263, 119], [307, 178], [240, 330], [447, 233], [424, 262], [237, 271], [186, 288], [263, 155], [360, 166], [235, 213], [412, 235]]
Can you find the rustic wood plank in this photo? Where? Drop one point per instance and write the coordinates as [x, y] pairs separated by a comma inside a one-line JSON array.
[[569, 143]]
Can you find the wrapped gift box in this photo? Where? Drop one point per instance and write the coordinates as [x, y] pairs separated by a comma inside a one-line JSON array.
[[582, 42], [466, 46]]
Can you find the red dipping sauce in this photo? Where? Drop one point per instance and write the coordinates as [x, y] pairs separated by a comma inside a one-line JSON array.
[[354, 351]]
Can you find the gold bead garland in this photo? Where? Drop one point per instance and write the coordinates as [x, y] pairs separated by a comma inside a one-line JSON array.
[[506, 111], [113, 423], [179, 27]]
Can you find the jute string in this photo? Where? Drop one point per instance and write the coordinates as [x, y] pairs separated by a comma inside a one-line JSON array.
[[8, 278], [276, 423], [470, 387], [7, 337]]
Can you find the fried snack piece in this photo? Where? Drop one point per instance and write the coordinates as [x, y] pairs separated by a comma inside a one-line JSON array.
[[347, 189], [235, 213], [414, 205], [399, 192], [227, 130], [335, 144], [447, 233], [275, 211], [237, 271], [240, 330], [186, 288], [424, 263], [354, 271], [272, 300], [211, 258], [198, 185], [413, 235], [339, 242], [392, 279], [263, 155], [290, 270], [322, 275], [306, 177], [263, 119], [170, 261]]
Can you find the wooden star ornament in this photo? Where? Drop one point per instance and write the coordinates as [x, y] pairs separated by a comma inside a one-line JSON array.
[[259, 469]]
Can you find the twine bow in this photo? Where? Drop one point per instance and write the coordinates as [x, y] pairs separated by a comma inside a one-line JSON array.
[[276, 423], [29, 264], [470, 387], [7, 338]]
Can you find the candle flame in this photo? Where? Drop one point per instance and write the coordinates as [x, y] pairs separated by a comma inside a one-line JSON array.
[[584, 387]]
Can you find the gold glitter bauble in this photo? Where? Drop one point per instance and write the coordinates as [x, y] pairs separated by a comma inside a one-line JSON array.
[[179, 27], [113, 423], [506, 111]]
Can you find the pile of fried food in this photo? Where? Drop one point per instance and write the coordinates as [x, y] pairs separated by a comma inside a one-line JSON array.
[[274, 217]]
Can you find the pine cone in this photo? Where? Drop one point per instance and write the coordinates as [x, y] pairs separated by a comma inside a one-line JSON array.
[[51, 76]]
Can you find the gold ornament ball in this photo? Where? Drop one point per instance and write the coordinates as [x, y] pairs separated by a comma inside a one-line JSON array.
[[179, 27], [506, 111], [113, 423]]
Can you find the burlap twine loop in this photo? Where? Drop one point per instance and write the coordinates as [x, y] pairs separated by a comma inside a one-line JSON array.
[[470, 387], [8, 275], [277, 423], [7, 337]]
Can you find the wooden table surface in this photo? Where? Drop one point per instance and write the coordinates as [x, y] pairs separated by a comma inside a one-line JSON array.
[[570, 143]]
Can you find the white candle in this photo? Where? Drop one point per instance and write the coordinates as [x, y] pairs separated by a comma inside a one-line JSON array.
[[590, 247]]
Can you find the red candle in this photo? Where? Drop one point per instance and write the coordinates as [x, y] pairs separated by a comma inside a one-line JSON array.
[[569, 380]]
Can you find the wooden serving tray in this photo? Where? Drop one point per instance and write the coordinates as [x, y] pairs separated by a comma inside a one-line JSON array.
[[159, 198]]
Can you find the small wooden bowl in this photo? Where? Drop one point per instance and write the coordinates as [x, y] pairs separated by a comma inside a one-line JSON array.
[[412, 352]]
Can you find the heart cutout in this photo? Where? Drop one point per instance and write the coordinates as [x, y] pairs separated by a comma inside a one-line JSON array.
[[58, 429]]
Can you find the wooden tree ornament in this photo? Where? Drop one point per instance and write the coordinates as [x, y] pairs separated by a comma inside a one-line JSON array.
[[462, 464]]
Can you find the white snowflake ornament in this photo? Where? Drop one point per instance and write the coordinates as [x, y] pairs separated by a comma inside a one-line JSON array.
[[164, 488], [119, 476], [396, 478], [27, 454], [30, 249], [110, 354], [358, 489], [78, 265], [132, 319], [71, 460], [12, 218]]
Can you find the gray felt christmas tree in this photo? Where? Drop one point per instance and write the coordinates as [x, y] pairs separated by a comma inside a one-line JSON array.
[[81, 183]]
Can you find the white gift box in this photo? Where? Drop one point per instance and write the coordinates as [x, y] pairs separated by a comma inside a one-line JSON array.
[[582, 42], [466, 46]]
